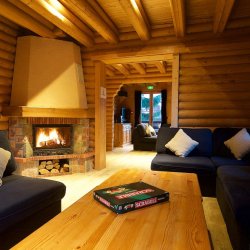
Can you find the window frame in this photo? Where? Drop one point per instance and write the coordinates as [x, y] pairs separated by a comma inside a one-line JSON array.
[[151, 108]]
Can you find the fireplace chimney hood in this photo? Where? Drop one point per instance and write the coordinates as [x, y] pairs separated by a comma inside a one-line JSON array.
[[47, 75]]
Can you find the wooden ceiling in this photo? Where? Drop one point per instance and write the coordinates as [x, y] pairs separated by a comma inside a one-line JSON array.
[[99, 25]]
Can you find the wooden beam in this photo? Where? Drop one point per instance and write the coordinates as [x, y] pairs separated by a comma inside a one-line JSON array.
[[137, 18], [161, 66], [163, 51], [95, 5], [142, 79], [121, 68], [139, 68], [32, 13], [151, 75], [86, 13], [222, 12], [21, 18], [69, 15], [50, 13], [109, 72], [178, 14], [111, 59], [9, 23]]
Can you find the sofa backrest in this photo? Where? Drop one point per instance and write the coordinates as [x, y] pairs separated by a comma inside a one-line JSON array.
[[220, 135], [4, 143], [201, 135]]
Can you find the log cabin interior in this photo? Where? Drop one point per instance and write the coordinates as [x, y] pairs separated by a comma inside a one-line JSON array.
[[199, 51]]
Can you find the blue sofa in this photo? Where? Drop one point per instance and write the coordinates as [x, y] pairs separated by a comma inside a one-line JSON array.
[[218, 172], [25, 203]]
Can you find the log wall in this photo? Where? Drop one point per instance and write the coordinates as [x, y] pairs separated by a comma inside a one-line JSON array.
[[8, 39], [214, 89]]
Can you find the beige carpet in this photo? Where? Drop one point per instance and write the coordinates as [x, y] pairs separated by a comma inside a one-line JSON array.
[[79, 184]]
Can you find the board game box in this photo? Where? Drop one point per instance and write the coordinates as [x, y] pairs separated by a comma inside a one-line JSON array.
[[128, 197]]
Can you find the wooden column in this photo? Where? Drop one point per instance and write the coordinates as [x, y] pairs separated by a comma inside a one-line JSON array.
[[175, 91], [100, 116]]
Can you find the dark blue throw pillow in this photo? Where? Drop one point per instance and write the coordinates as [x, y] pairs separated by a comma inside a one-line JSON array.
[[4, 143]]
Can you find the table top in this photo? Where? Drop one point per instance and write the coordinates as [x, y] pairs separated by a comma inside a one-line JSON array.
[[87, 224]]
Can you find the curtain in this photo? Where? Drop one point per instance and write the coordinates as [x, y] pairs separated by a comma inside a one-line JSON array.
[[137, 107], [163, 106]]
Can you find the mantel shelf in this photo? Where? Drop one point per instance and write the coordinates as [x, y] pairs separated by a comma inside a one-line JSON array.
[[24, 111]]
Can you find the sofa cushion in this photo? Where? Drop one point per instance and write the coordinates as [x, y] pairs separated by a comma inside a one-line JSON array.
[[239, 144], [220, 161], [4, 143], [150, 131], [203, 136], [181, 144], [24, 196], [191, 164], [4, 159], [220, 135], [236, 191]]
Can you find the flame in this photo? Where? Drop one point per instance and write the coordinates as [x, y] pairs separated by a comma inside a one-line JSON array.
[[43, 138]]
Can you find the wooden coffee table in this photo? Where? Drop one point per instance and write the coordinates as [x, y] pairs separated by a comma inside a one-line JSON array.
[[86, 224]]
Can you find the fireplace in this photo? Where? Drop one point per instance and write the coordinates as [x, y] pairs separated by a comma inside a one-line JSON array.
[[52, 139], [63, 147]]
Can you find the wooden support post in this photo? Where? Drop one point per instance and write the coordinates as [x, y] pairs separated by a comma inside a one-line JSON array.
[[100, 116], [175, 91]]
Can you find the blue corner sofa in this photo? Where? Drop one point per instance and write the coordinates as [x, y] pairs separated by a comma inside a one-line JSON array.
[[218, 172], [25, 203]]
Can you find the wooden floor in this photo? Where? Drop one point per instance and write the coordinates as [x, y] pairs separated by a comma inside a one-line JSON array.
[[80, 184]]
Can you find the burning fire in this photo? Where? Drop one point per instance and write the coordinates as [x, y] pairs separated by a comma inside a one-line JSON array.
[[49, 139]]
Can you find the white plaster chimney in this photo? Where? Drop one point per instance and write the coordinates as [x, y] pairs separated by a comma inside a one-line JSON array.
[[48, 74]]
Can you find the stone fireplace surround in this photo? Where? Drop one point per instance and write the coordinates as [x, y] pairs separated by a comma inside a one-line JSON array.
[[21, 139]]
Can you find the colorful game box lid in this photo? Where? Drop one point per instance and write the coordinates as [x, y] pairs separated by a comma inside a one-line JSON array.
[[128, 197]]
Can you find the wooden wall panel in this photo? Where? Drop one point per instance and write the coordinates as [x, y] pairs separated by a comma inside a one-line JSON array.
[[8, 38], [214, 89]]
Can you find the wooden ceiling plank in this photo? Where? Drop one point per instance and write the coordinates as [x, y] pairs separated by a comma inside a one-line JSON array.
[[95, 5], [161, 66], [178, 14], [139, 68], [222, 12], [69, 15], [87, 14], [44, 8], [21, 18], [121, 68], [137, 18]]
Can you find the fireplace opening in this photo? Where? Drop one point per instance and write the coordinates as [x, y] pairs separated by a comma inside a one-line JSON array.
[[52, 139]]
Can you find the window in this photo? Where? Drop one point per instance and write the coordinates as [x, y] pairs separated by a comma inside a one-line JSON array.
[[151, 109]]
